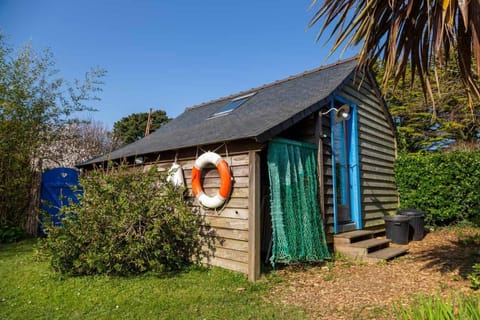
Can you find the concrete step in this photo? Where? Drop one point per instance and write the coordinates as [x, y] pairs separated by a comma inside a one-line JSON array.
[[385, 254]]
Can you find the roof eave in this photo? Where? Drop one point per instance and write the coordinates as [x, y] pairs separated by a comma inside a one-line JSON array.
[[274, 131]]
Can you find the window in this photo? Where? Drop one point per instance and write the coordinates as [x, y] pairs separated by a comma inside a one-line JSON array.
[[232, 105]]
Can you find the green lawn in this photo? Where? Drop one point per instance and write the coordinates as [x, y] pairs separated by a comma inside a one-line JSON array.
[[30, 290]]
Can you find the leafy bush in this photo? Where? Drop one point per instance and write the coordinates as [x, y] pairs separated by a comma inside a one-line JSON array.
[[474, 277], [125, 223], [436, 307], [444, 186], [9, 233]]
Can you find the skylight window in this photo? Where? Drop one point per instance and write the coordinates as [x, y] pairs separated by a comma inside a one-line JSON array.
[[232, 105]]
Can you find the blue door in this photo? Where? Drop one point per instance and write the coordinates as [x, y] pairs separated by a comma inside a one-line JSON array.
[[345, 170]]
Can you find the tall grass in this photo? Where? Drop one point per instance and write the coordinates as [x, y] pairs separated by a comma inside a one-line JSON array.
[[439, 308]]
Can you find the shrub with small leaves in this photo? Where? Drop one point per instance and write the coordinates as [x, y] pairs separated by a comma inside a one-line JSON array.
[[127, 222], [444, 186], [474, 277]]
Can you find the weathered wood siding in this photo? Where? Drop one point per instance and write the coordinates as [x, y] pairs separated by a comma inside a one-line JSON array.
[[233, 229], [377, 149], [327, 179]]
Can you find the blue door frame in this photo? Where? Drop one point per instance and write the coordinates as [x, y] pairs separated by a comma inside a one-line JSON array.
[[347, 195]]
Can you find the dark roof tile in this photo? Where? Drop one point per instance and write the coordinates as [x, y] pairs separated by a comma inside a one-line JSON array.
[[272, 109]]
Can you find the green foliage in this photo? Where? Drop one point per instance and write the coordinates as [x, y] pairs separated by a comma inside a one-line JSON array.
[[474, 277], [127, 222], [423, 36], [34, 103], [444, 186], [10, 233], [29, 290], [422, 125], [436, 307], [132, 128]]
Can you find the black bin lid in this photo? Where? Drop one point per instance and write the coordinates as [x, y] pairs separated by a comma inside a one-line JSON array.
[[397, 218], [411, 213]]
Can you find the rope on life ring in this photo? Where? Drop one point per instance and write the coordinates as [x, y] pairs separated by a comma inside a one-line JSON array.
[[225, 180]]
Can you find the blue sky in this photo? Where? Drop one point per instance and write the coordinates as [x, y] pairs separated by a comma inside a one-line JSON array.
[[168, 54]]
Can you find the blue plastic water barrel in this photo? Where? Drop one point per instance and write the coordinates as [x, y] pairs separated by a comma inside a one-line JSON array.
[[59, 188]]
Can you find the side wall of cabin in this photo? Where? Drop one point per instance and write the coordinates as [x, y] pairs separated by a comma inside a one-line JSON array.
[[233, 239]]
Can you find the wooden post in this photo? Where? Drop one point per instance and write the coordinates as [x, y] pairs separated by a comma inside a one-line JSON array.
[[254, 217], [149, 122]]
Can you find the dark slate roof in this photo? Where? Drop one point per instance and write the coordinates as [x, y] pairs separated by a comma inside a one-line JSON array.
[[272, 109]]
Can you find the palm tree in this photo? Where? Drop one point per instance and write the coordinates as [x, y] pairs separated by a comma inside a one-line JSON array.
[[424, 34]]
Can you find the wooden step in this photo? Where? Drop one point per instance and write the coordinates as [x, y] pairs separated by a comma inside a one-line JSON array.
[[362, 248], [385, 254], [366, 245], [352, 236], [370, 243], [378, 232]]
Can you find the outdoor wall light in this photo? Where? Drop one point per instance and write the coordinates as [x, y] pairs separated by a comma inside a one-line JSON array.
[[342, 113]]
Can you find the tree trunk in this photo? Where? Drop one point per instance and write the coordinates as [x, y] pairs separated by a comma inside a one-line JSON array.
[[32, 214]]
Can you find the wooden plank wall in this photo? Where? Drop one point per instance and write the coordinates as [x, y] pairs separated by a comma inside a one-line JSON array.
[[377, 153], [328, 179], [229, 225]]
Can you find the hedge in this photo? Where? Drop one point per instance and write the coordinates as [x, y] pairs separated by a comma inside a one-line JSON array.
[[444, 186]]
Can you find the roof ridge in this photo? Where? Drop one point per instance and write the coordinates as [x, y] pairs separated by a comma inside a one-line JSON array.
[[274, 83]]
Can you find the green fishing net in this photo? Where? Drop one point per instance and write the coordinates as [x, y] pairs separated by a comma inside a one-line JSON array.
[[298, 231]]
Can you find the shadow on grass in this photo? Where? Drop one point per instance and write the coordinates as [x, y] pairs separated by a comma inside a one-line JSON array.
[[200, 269], [8, 250], [455, 255]]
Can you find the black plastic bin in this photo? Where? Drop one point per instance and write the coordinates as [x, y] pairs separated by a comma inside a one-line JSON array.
[[416, 223], [397, 228]]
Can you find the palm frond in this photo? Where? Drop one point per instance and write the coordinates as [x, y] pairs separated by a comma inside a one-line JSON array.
[[406, 33]]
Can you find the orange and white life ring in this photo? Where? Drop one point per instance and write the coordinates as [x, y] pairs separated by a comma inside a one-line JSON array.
[[225, 180]]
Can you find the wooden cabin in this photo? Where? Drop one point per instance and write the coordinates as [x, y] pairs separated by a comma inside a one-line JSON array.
[[336, 109]]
